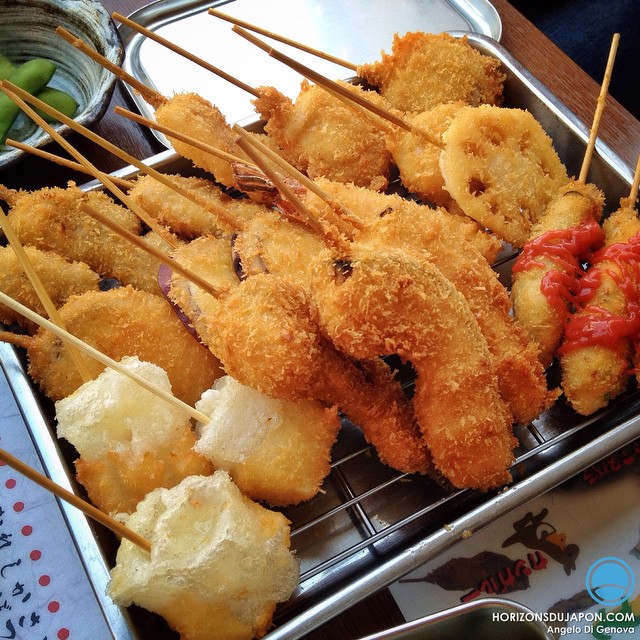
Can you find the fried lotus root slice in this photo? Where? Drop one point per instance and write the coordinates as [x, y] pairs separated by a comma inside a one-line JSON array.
[[60, 278], [425, 69], [219, 562], [321, 136], [500, 167], [275, 451], [130, 441], [386, 302], [122, 322]]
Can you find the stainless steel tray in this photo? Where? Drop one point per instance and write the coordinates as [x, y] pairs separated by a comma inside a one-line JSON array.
[[373, 525], [355, 31]]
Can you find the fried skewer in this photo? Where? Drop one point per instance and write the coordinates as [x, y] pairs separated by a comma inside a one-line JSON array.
[[274, 36], [599, 338], [86, 508], [546, 272]]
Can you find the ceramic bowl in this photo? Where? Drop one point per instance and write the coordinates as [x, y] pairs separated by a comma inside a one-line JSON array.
[[27, 30]]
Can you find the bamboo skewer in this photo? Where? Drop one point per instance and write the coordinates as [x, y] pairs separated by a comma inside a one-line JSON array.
[[154, 98], [173, 133], [274, 36], [19, 96], [106, 179], [99, 356], [635, 185], [41, 292], [602, 97], [71, 498], [338, 90], [123, 183], [156, 253], [342, 214], [183, 52]]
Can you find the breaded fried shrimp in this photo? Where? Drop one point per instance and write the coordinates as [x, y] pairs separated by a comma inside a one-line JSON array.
[[384, 302]]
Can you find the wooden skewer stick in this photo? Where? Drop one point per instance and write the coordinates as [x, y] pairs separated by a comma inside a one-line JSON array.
[[154, 98], [183, 52], [123, 183], [635, 185], [41, 292], [156, 253], [338, 90], [283, 39], [21, 97], [71, 498], [337, 207], [602, 97], [106, 179], [173, 133], [100, 357]]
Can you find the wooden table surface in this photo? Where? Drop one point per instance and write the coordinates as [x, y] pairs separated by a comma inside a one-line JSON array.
[[619, 129]]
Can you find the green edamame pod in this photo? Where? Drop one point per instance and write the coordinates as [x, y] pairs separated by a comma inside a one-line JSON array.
[[59, 100], [32, 76], [6, 67]]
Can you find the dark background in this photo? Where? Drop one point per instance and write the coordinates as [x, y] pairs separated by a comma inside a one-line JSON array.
[[583, 30]]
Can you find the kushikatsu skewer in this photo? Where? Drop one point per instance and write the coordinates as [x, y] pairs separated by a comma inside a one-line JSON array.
[[181, 51], [336, 89], [86, 508], [123, 183], [98, 355], [288, 41], [41, 291], [21, 97]]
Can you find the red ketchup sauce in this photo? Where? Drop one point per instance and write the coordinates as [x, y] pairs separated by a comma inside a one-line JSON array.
[[598, 326], [564, 248]]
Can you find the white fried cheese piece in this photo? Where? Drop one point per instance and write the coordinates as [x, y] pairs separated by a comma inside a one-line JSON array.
[[275, 450], [219, 562], [130, 441]]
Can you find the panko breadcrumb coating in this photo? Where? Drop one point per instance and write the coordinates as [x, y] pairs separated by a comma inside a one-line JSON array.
[[425, 69], [275, 451], [60, 278], [129, 440], [51, 219], [219, 563], [121, 322], [321, 136]]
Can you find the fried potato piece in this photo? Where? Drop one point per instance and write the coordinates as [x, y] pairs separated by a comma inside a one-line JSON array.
[[51, 219], [544, 277], [500, 166], [321, 136], [437, 237], [424, 70], [275, 451], [219, 563], [129, 440], [387, 302], [60, 278], [264, 333], [597, 351], [186, 218], [418, 159], [122, 322]]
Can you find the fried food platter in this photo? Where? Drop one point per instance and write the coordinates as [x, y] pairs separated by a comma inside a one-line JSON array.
[[371, 525]]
